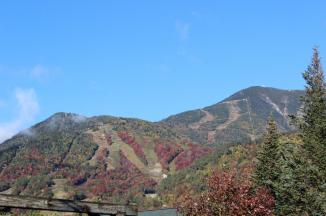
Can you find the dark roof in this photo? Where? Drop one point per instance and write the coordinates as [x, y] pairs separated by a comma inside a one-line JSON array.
[[160, 212]]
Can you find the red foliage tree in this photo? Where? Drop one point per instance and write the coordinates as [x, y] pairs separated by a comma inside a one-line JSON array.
[[166, 151], [34, 155], [187, 157], [118, 181], [229, 194], [130, 140], [34, 163]]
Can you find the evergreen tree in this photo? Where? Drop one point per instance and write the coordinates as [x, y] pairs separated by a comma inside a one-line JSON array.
[[310, 175], [266, 171], [289, 189], [313, 121]]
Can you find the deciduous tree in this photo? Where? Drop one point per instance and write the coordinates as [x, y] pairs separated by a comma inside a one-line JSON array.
[[229, 194]]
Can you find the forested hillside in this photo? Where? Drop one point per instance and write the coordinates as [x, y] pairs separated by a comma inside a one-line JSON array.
[[106, 158], [120, 160], [240, 118]]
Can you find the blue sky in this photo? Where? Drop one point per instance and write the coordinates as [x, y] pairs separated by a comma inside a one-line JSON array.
[[147, 59]]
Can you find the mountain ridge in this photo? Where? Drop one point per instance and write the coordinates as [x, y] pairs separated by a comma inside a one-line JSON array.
[[117, 159], [201, 115], [78, 118], [251, 106]]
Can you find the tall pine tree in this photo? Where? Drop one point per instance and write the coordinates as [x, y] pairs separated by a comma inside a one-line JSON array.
[[312, 128], [296, 173], [266, 171], [290, 189], [313, 121]]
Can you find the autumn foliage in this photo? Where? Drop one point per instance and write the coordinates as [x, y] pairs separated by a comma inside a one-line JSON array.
[[35, 163], [187, 157], [102, 155], [166, 151], [130, 140], [229, 194], [118, 181]]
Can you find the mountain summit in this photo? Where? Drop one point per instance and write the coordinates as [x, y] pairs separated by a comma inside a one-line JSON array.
[[239, 118]]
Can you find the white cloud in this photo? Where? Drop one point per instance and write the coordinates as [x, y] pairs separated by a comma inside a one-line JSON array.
[[28, 108], [183, 29]]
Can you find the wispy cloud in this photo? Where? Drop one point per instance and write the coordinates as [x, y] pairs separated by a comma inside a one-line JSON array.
[[182, 29], [28, 108], [39, 72]]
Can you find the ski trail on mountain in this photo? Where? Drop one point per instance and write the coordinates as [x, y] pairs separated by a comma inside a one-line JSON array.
[[99, 138], [211, 136], [273, 105], [234, 114], [207, 118], [58, 189], [153, 170]]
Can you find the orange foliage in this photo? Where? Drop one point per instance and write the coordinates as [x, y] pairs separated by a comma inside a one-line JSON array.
[[229, 194]]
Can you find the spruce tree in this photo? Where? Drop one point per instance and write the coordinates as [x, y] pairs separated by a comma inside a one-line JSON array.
[[296, 173], [289, 189], [312, 127], [313, 121], [266, 172]]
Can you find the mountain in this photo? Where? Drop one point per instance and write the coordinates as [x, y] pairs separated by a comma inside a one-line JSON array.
[[71, 156], [240, 118], [118, 159]]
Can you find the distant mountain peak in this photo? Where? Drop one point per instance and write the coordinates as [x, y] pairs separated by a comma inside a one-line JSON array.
[[65, 116], [239, 118]]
